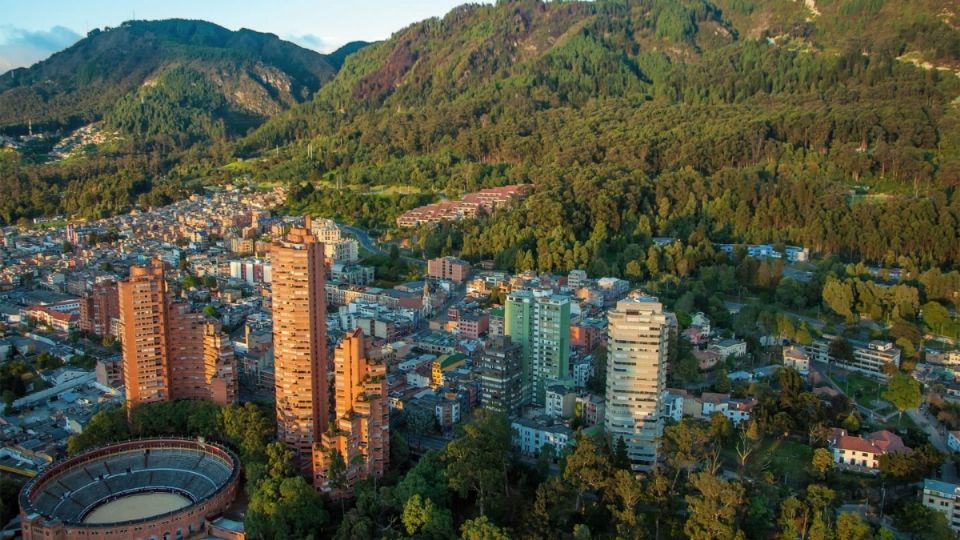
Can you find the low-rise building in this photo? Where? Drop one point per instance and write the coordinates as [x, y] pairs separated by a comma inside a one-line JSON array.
[[796, 358], [869, 358], [532, 435], [863, 452], [450, 268], [943, 497]]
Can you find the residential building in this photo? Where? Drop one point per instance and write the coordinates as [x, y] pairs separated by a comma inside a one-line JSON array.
[[361, 430], [561, 401], [863, 452], [100, 306], [796, 358], [501, 384], [170, 351], [449, 268], [443, 364], [532, 435], [943, 497], [637, 349], [300, 344], [869, 358], [540, 323]]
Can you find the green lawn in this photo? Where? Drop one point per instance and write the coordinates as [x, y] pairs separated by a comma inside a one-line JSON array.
[[863, 389], [785, 460]]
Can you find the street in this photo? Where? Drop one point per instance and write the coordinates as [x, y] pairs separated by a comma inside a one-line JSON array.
[[368, 244]]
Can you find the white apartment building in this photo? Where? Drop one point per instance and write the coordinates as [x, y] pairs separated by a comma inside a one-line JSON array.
[[636, 377]]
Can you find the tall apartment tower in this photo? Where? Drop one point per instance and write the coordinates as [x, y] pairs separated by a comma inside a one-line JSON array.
[[636, 377], [165, 345], [143, 312], [300, 343], [99, 307], [540, 323], [361, 429], [501, 376]]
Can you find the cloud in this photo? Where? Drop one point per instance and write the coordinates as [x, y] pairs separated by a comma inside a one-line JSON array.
[[317, 43], [21, 48]]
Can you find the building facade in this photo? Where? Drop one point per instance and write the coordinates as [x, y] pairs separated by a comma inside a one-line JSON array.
[[100, 306], [361, 430], [300, 344], [636, 377], [501, 384], [943, 497], [165, 343], [540, 323], [451, 268]]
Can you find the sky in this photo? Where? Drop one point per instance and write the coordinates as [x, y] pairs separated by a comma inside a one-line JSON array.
[[31, 30]]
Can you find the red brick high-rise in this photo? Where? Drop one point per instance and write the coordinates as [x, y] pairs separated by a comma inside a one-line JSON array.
[[164, 345], [99, 307], [361, 429], [300, 343]]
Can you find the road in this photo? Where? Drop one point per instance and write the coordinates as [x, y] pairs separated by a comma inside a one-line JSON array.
[[370, 245], [737, 306], [948, 470]]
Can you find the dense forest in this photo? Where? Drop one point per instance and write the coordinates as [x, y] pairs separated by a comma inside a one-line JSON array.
[[642, 119]]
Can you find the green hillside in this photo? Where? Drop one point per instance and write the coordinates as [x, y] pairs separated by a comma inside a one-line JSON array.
[[738, 121]]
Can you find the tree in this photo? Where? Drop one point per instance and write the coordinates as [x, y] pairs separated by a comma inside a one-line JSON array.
[[747, 444], [821, 462], [685, 445], [104, 427], [587, 468], [794, 517], [423, 517], [721, 382], [851, 527], [480, 459], [916, 519], [626, 492], [712, 512], [840, 349], [248, 428], [482, 528], [597, 383], [903, 391]]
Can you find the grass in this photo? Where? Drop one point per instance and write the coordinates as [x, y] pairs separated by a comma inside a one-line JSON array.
[[863, 389], [785, 460]]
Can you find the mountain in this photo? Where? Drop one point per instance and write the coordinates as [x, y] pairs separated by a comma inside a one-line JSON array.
[[256, 75], [832, 124]]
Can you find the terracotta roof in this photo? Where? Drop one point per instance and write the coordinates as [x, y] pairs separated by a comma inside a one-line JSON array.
[[880, 442]]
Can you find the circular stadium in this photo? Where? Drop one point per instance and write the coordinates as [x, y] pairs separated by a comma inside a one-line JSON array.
[[151, 489]]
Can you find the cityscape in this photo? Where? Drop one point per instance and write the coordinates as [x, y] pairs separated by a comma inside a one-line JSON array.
[[576, 270]]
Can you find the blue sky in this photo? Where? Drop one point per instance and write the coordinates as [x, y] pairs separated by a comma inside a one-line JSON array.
[[31, 30]]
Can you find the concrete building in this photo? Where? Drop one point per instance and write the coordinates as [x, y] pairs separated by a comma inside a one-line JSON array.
[[532, 435], [540, 323], [636, 377], [300, 344], [863, 453], [170, 351], [868, 358], [943, 497], [501, 384], [796, 358], [450, 268], [361, 430]]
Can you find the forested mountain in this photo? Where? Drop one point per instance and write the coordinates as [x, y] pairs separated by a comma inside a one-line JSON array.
[[253, 73], [832, 124], [829, 123]]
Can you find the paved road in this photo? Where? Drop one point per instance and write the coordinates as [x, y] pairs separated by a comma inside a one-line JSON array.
[[370, 245], [737, 306]]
